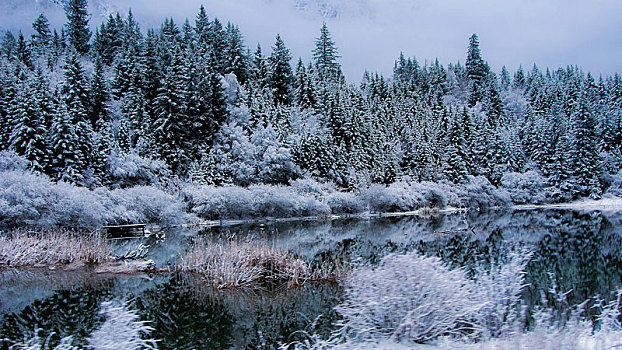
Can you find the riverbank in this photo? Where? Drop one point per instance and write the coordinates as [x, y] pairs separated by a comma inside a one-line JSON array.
[[604, 204]]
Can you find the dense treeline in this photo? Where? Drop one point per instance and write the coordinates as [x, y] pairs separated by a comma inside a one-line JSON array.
[[121, 107]]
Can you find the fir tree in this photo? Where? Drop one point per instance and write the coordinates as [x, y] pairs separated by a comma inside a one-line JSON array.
[[477, 71], [42, 36], [28, 136], [23, 52], [325, 57], [587, 169], [78, 25], [280, 76], [9, 44], [305, 92]]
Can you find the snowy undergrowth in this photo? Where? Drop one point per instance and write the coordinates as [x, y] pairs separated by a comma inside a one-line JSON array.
[[31, 200], [415, 302], [310, 198]]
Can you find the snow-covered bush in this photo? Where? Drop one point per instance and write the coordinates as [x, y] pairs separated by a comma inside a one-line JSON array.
[[499, 287], [527, 188], [615, 189], [33, 200], [479, 193], [121, 330], [212, 202], [11, 161], [393, 198], [409, 297], [311, 187], [127, 170], [280, 201], [147, 204], [402, 196], [345, 203], [234, 202]]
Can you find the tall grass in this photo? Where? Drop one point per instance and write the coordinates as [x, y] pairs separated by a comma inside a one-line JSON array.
[[53, 248], [235, 264]]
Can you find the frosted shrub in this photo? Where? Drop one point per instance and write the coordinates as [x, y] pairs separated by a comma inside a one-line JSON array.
[[148, 204], [615, 190], [481, 194], [219, 202], [346, 203], [311, 187], [409, 297], [132, 170], [499, 287], [53, 248], [402, 196], [433, 196], [394, 198], [234, 202], [279, 201], [121, 330], [234, 264], [33, 200], [527, 188], [10, 161]]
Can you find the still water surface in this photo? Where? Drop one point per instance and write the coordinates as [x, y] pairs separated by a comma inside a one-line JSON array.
[[580, 252]]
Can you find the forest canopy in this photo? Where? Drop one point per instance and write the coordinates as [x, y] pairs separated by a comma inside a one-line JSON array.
[[122, 106]]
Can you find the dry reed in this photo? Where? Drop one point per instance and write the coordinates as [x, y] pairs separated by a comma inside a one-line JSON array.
[[52, 248], [235, 264]]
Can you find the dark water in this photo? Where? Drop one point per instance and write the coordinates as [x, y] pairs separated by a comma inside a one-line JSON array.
[[578, 252]]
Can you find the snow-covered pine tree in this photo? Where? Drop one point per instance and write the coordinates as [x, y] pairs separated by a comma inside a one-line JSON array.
[[42, 36], [477, 70], [304, 94], [29, 129], [325, 57], [280, 76], [78, 25], [587, 171]]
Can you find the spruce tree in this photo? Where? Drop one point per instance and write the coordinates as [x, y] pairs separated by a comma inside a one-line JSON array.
[[42, 36], [23, 52], [325, 57], [477, 71], [27, 138], [78, 25], [171, 121], [587, 170], [8, 45], [237, 61], [66, 158], [280, 76], [304, 93]]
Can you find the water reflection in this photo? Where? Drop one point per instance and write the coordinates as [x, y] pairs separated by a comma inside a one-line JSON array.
[[572, 251]]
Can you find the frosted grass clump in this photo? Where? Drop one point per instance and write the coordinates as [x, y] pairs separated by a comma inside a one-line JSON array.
[[121, 330]]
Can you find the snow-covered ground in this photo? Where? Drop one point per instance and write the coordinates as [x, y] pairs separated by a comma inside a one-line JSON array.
[[604, 204]]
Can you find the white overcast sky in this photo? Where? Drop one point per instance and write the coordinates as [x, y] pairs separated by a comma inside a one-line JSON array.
[[371, 33]]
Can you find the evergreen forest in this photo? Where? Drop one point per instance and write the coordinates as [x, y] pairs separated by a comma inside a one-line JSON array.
[[122, 106]]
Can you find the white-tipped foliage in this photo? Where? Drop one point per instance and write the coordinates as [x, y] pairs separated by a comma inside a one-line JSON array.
[[410, 297], [121, 330]]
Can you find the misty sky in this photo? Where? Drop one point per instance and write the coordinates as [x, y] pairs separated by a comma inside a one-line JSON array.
[[371, 33]]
